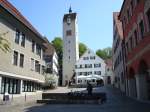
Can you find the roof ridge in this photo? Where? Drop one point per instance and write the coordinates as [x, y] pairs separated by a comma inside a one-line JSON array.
[[10, 8]]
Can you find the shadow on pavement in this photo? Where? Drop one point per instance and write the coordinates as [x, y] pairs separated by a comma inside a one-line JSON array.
[[117, 102]]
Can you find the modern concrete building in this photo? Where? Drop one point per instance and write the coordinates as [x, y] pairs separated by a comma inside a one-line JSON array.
[[51, 60], [21, 69], [135, 18], [70, 45], [89, 68], [118, 54]]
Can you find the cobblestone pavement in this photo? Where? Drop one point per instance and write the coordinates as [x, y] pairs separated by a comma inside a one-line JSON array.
[[116, 102]]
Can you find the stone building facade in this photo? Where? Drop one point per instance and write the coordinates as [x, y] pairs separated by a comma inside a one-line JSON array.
[[135, 17], [21, 69], [118, 54]]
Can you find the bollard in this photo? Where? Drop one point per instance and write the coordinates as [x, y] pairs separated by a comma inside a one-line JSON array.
[[25, 97], [12, 97]]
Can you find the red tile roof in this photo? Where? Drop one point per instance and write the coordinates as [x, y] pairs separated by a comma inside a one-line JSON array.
[[11, 9], [50, 50], [108, 62], [118, 24]]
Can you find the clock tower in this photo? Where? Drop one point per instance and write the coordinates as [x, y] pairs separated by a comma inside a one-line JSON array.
[[70, 45]]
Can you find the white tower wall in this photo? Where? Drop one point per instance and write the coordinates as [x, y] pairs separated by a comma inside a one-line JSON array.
[[70, 47]]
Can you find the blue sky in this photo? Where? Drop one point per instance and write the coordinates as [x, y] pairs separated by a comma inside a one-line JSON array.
[[95, 20]]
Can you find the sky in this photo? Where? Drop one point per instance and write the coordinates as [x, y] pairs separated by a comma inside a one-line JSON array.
[[95, 18]]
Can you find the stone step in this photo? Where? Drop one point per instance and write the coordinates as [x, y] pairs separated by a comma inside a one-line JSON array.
[[53, 101]]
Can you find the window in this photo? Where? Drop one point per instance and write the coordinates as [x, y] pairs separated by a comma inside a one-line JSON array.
[[68, 33], [15, 61], [23, 40], [17, 38], [148, 17], [88, 65], [85, 58], [97, 72], [37, 66], [136, 38], [138, 1], [33, 46], [21, 60], [68, 20], [141, 28], [76, 66], [38, 50], [92, 57], [97, 65], [132, 5], [32, 64], [124, 23], [127, 47], [108, 69], [85, 65], [43, 69], [128, 14], [131, 43]]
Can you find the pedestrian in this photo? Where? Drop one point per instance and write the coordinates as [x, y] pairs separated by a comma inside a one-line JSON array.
[[89, 88]]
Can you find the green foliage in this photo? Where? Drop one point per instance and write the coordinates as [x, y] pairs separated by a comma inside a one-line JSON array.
[[82, 49], [105, 53], [4, 44], [58, 45]]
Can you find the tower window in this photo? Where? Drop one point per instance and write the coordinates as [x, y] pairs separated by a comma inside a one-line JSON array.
[[68, 33]]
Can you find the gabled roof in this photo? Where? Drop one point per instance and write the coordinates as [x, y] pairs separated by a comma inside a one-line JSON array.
[[12, 10], [87, 53], [50, 50], [108, 62], [118, 24]]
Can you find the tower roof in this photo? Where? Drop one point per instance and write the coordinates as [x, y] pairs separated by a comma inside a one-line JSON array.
[[71, 15], [70, 10]]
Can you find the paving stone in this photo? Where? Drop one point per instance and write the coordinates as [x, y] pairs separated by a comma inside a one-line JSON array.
[[117, 102]]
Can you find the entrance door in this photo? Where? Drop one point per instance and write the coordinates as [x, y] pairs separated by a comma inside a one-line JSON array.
[[143, 70]]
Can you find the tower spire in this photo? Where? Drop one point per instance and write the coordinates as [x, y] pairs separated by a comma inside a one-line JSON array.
[[70, 10]]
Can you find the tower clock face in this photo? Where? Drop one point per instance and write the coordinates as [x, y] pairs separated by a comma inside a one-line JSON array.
[[68, 20]]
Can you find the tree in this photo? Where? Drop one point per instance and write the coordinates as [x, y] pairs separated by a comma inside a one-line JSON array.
[[4, 44], [105, 53], [108, 51], [58, 45], [101, 54], [82, 49]]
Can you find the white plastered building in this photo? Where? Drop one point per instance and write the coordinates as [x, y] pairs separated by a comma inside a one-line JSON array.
[[89, 68]]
